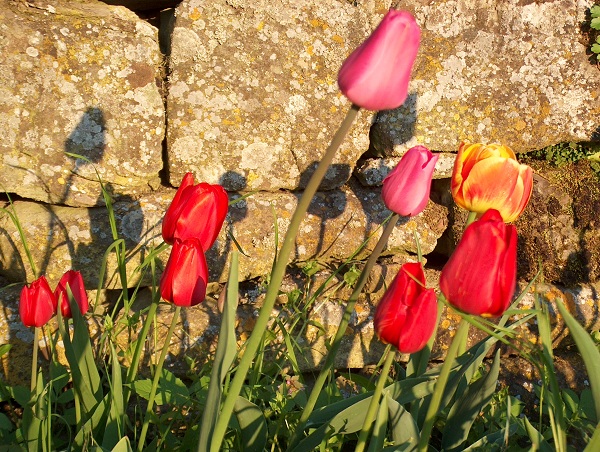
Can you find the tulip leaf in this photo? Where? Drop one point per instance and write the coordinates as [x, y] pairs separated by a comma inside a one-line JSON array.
[[465, 410], [253, 425], [123, 445], [380, 426], [589, 353], [404, 429], [224, 356], [537, 440], [493, 441]]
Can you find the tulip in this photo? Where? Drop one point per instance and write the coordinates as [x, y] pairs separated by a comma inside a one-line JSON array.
[[185, 277], [489, 177], [375, 76], [197, 211], [407, 314], [74, 281], [406, 189], [37, 303], [480, 276]]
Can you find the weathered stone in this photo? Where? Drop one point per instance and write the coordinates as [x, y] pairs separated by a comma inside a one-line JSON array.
[[253, 99], [496, 71], [337, 223], [78, 78]]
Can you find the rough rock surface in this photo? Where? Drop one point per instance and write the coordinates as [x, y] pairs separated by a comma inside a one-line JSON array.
[[253, 100], [338, 222], [503, 71], [78, 78]]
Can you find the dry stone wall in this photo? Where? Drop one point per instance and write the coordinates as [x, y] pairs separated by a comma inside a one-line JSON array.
[[243, 93]]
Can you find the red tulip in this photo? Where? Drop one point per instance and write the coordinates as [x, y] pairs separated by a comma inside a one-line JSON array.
[[184, 280], [74, 280], [406, 189], [375, 76], [37, 303], [490, 177], [480, 276], [407, 314], [197, 211]]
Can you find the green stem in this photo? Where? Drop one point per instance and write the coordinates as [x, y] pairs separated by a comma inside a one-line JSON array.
[[337, 340], [34, 359], [374, 405], [139, 346], [440, 386], [277, 275], [157, 374], [471, 218]]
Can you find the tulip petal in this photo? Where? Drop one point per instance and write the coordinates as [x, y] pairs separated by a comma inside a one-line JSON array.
[[419, 323]]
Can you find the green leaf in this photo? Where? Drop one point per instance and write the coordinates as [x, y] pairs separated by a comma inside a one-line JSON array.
[[589, 352], [171, 390], [252, 424], [123, 445], [493, 439], [595, 48], [537, 440], [380, 426], [595, 23], [115, 424], [465, 410], [404, 429]]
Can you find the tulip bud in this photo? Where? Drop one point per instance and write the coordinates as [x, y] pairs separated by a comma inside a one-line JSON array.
[[37, 303], [185, 277], [375, 76], [406, 189], [407, 314], [74, 280], [480, 276], [489, 177], [197, 211]]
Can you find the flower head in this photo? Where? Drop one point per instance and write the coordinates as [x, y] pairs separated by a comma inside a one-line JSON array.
[[74, 281], [407, 314], [197, 211], [490, 177], [37, 303], [185, 277], [375, 76], [480, 276], [406, 189]]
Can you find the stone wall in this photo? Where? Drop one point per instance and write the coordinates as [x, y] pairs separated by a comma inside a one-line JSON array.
[[243, 93]]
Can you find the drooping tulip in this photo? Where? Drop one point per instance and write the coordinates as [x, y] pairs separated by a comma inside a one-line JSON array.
[[490, 177], [74, 280], [407, 314], [37, 303], [480, 276], [185, 277], [197, 211], [406, 189], [376, 74]]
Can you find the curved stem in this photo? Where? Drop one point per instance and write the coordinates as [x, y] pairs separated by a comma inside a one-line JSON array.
[[440, 386], [157, 373], [374, 405], [337, 340], [277, 275]]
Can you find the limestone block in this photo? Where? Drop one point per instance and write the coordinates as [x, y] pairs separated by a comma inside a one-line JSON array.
[[253, 99], [79, 78], [337, 223], [496, 71]]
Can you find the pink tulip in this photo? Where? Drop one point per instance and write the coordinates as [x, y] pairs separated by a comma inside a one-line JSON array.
[[406, 189], [375, 76]]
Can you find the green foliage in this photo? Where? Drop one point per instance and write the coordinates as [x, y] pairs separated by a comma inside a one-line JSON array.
[[564, 153], [595, 24]]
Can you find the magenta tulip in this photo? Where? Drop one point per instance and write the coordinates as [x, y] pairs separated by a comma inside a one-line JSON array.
[[74, 280], [375, 76], [197, 211], [406, 189], [480, 276], [185, 277], [407, 314], [37, 303]]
